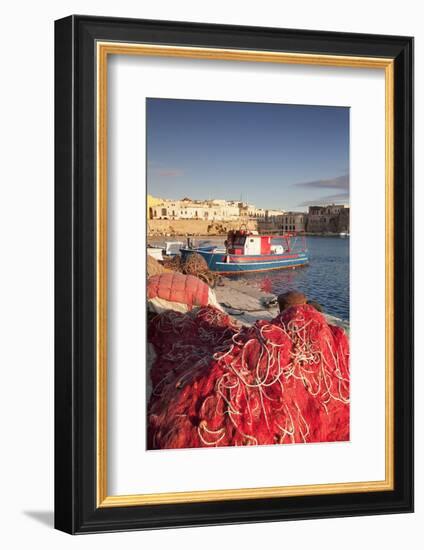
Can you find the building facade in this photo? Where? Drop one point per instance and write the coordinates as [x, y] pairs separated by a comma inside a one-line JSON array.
[[256, 213], [187, 209], [294, 221], [333, 218], [274, 215], [152, 202], [214, 210]]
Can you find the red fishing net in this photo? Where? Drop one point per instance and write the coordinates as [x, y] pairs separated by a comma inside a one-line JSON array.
[[176, 287], [214, 384]]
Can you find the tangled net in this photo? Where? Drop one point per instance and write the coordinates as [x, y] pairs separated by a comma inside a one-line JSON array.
[[215, 384], [195, 265], [154, 267], [173, 263]]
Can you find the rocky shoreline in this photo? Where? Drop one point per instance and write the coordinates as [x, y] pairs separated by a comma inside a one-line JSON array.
[[194, 228]]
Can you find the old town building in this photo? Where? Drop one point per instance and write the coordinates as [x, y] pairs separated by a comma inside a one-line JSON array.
[[333, 218], [294, 221]]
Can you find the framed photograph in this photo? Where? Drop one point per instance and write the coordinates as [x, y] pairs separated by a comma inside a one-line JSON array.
[[234, 274]]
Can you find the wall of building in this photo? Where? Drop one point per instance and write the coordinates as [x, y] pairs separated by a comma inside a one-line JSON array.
[[217, 209], [196, 227], [328, 219], [195, 210], [294, 221]]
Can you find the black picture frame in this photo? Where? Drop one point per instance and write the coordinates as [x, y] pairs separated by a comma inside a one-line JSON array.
[[76, 509]]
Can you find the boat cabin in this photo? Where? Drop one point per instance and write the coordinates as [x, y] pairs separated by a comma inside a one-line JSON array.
[[248, 244]]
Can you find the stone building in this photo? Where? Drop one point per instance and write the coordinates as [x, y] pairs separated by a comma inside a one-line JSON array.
[[152, 202], [255, 213], [187, 209], [333, 218], [294, 221], [274, 215]]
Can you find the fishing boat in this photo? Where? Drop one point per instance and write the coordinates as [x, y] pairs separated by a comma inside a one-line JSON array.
[[171, 248], [155, 252], [247, 252]]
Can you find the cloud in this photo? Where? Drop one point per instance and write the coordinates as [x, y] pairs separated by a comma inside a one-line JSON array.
[[158, 169], [342, 198], [169, 173], [341, 182]]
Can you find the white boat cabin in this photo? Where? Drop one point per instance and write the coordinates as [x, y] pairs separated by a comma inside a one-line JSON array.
[[254, 245]]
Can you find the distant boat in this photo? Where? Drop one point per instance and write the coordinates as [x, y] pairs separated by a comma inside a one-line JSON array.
[[155, 252], [246, 251], [171, 248], [344, 234]]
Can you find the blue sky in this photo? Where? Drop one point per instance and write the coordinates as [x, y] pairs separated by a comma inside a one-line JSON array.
[[271, 155]]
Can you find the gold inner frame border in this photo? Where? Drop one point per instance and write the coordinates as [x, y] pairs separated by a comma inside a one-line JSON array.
[[103, 50]]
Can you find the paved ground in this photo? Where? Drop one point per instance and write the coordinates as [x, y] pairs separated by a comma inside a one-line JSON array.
[[244, 302], [248, 304]]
